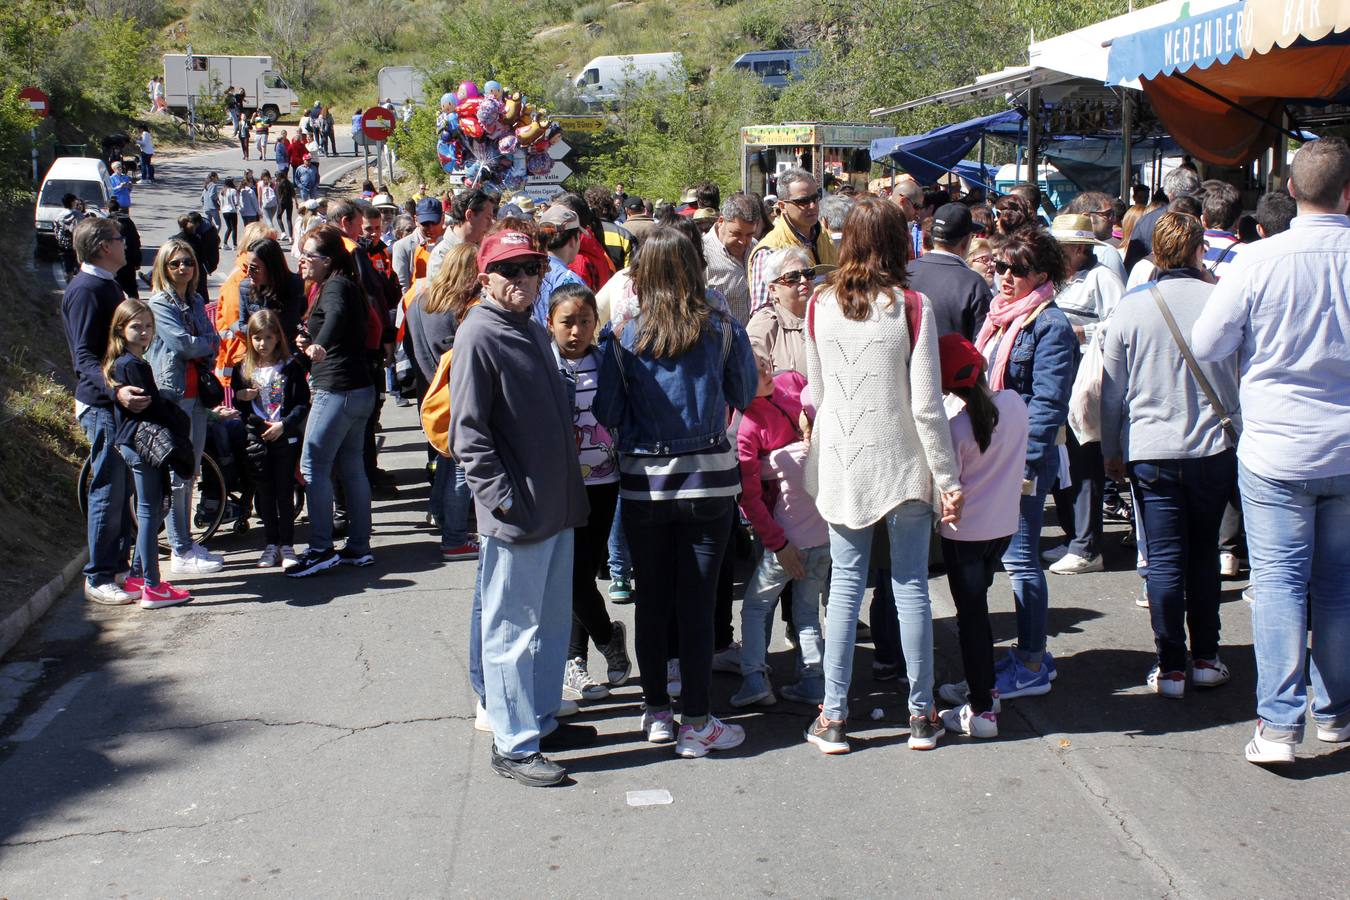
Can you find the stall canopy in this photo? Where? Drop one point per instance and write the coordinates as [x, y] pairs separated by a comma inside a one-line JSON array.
[[1220, 80], [931, 155]]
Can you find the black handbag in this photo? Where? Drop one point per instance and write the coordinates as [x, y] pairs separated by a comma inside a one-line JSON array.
[[159, 448], [210, 392]]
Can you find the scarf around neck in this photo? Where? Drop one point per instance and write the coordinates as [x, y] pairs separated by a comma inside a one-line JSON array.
[[1007, 318]]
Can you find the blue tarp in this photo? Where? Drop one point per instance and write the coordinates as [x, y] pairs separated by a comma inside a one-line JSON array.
[[1193, 42], [930, 155]]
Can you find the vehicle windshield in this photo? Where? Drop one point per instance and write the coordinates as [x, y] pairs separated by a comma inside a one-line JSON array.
[[55, 189]]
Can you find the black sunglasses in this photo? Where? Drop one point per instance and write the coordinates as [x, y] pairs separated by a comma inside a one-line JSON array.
[[511, 271], [1018, 270], [803, 202], [798, 275]]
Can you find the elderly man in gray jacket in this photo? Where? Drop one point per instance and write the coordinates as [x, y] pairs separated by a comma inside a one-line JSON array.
[[511, 430]]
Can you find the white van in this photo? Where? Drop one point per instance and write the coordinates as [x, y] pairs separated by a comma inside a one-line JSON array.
[[604, 77], [82, 176]]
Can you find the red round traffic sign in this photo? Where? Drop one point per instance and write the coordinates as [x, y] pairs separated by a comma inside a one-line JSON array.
[[37, 101], [377, 123]]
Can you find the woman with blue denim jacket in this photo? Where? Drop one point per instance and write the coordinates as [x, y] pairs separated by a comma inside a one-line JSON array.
[[1031, 348], [666, 385], [185, 340]]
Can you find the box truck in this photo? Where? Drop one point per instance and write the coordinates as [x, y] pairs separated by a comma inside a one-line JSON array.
[[399, 83], [264, 88]]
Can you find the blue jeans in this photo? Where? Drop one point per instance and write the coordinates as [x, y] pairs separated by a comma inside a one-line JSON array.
[[179, 522], [476, 637], [620, 560], [881, 615], [1298, 541], [108, 522], [149, 507], [213, 215], [761, 596], [1022, 562], [527, 616], [908, 526], [1181, 503], [449, 503], [334, 441]]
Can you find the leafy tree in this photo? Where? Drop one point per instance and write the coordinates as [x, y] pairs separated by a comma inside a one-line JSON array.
[[16, 122], [414, 142]]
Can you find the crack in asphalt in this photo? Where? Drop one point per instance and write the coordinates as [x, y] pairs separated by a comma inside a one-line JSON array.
[[136, 831], [349, 729]]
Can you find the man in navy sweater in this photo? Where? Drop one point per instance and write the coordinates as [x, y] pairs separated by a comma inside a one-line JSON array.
[[87, 309]]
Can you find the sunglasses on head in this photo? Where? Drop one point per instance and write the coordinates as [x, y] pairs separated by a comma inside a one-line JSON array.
[[795, 276], [513, 270], [802, 202], [1017, 269]]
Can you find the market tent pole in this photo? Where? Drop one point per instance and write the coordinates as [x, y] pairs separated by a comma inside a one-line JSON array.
[[1127, 142], [1034, 136]]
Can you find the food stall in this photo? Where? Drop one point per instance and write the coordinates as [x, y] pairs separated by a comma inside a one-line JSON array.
[[838, 150]]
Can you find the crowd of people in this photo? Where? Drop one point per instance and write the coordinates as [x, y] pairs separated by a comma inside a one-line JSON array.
[[850, 380]]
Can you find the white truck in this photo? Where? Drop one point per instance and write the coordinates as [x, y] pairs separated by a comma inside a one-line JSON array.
[[264, 87], [399, 83], [603, 78]]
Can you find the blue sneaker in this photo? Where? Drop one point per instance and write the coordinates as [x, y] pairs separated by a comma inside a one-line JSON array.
[[1047, 663], [1017, 680], [754, 691]]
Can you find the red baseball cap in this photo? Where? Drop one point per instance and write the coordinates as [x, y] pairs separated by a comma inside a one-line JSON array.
[[961, 362], [506, 245]]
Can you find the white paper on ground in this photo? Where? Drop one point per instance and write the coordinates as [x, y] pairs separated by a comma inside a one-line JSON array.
[[658, 797]]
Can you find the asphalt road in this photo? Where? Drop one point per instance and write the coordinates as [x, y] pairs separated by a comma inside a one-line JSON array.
[[280, 738]]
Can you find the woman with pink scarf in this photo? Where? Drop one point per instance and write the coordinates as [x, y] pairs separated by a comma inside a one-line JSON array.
[[1030, 348]]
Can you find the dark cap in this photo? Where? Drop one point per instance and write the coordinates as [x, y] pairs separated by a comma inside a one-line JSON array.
[[429, 210], [635, 204], [952, 222]]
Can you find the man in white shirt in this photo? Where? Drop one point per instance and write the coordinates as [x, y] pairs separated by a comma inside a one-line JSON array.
[[726, 248], [146, 145]]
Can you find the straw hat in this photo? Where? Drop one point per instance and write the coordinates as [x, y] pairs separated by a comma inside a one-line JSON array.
[[1070, 229]]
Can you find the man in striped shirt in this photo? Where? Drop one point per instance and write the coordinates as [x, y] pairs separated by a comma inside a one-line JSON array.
[[1220, 206]]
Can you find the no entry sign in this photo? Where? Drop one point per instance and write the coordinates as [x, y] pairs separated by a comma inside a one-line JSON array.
[[377, 123], [36, 100]]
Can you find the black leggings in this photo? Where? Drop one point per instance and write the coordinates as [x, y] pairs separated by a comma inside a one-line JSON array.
[[231, 228], [274, 491], [677, 548], [970, 571], [590, 548]]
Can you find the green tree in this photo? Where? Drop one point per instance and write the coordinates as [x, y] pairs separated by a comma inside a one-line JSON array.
[[119, 60], [16, 123], [414, 142]]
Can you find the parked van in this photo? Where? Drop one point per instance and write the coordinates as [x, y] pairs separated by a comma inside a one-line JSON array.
[[605, 77], [776, 68], [82, 176]]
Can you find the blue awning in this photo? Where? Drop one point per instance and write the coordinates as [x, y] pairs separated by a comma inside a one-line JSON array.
[[1193, 42], [931, 155]]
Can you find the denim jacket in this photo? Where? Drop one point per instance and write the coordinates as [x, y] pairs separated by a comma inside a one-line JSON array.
[[182, 333], [665, 407], [1041, 369]]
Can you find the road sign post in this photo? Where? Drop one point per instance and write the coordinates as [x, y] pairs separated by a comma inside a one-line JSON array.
[[377, 123], [39, 105]]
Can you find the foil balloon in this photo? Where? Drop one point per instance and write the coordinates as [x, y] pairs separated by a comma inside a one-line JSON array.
[[508, 144], [538, 164], [529, 131], [467, 90], [511, 107], [489, 112], [493, 90]]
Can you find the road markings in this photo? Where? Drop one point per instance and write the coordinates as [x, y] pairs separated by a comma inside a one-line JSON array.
[[55, 705]]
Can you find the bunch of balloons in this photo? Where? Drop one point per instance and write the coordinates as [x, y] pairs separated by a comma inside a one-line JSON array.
[[494, 136]]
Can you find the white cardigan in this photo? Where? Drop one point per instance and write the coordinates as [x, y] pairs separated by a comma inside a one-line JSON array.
[[881, 435]]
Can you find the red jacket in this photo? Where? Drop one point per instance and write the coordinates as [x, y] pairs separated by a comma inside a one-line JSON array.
[[592, 263]]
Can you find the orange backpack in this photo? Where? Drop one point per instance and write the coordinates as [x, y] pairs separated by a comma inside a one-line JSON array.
[[436, 407]]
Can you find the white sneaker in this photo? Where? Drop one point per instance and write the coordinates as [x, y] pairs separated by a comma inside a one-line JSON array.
[[195, 565], [1073, 564], [1228, 565], [958, 693], [964, 720], [578, 683], [714, 735], [659, 728], [567, 708], [288, 558], [108, 594], [728, 659], [1055, 554], [201, 552], [480, 719], [1207, 673], [1171, 685], [1266, 752], [1141, 600], [271, 557], [1333, 735], [673, 683]]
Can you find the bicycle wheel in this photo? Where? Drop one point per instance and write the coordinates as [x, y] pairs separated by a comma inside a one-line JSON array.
[[208, 502]]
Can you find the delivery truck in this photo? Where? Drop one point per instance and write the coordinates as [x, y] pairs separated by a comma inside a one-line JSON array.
[[264, 87], [399, 83]]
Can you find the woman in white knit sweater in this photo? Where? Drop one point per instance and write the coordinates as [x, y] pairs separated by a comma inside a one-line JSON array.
[[879, 442]]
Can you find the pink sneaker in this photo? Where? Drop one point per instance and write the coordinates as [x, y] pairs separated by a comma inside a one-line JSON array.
[[467, 550], [161, 595], [133, 586]]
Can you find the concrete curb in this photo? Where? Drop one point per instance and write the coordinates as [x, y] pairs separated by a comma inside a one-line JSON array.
[[20, 620]]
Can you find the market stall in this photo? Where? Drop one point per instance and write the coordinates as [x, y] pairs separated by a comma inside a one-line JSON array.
[[836, 150]]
